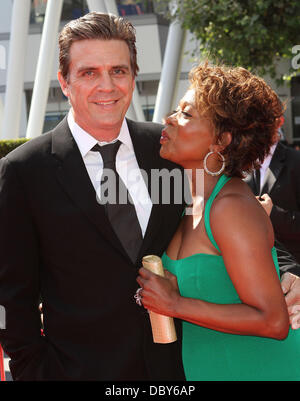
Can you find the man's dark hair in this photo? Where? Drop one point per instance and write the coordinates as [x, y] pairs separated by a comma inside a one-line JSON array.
[[96, 25]]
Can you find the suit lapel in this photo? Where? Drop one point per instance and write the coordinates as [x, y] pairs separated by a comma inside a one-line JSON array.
[[249, 179], [73, 177], [274, 169], [147, 155]]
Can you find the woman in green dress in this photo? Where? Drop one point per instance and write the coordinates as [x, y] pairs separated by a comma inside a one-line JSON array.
[[223, 277]]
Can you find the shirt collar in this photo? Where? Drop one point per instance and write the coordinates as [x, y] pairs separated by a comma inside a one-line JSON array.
[[86, 142], [268, 158]]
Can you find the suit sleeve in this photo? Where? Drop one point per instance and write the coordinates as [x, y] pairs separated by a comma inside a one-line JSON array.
[[286, 219], [286, 222], [287, 263], [19, 280]]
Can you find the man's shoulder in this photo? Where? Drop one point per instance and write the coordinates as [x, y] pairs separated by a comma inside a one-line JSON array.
[[290, 153], [34, 148], [145, 127], [295, 154]]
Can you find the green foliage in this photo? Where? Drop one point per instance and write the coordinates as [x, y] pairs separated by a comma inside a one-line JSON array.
[[8, 145], [252, 34]]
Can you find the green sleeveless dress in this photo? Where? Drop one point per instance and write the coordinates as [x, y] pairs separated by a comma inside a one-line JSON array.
[[212, 355]]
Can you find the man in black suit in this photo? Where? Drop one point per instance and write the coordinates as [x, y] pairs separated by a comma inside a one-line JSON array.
[[61, 245], [277, 186], [280, 190]]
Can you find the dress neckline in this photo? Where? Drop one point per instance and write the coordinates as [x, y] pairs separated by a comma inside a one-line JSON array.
[[219, 185], [190, 256]]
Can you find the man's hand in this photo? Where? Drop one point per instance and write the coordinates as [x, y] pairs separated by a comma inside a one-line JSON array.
[[266, 203], [290, 285]]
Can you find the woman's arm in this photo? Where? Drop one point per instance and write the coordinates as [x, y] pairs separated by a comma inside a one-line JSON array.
[[244, 234]]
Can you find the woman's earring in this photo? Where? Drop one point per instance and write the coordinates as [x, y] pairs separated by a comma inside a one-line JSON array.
[[205, 166]]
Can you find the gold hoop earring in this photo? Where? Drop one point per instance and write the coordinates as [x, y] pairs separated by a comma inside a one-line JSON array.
[[211, 172]]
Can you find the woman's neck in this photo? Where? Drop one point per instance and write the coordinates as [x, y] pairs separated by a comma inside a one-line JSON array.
[[201, 186]]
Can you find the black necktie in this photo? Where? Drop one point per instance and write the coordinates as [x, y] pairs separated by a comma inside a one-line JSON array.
[[118, 204], [256, 176]]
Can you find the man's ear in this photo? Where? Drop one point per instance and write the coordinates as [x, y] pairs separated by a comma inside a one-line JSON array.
[[63, 84]]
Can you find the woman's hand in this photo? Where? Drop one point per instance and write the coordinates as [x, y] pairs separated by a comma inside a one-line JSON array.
[[159, 294]]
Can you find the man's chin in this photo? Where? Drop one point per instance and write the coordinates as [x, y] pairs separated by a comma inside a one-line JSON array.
[[106, 130], [106, 121]]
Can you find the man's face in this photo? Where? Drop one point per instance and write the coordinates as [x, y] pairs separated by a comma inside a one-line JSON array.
[[100, 85]]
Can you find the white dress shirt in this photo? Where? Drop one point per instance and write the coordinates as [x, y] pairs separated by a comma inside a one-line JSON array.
[[126, 166], [265, 165]]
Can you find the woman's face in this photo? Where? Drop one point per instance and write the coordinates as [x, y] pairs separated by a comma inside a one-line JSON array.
[[187, 136]]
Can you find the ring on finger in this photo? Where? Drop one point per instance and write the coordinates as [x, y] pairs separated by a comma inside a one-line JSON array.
[[138, 297]]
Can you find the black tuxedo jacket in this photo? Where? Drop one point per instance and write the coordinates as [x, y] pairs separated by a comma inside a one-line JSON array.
[[56, 243], [282, 184]]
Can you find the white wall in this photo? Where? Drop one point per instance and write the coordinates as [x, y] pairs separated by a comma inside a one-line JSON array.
[[148, 47], [4, 45], [5, 15], [33, 48]]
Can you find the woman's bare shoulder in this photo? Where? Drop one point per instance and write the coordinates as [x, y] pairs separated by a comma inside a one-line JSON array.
[[237, 209], [235, 193]]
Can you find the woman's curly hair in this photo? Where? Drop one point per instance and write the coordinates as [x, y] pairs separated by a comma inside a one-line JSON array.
[[239, 102]]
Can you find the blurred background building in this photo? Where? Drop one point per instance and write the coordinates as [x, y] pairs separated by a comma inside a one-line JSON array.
[[156, 59]]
